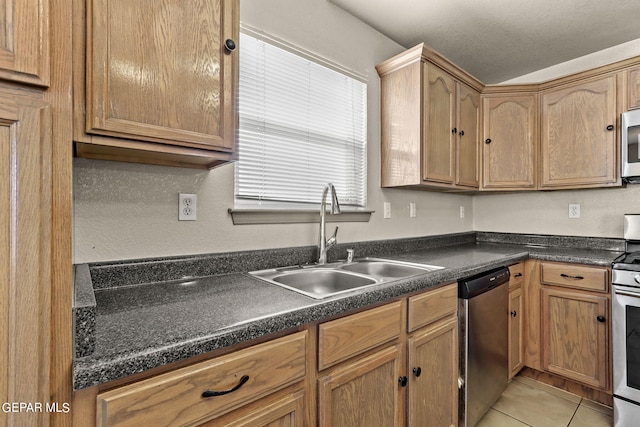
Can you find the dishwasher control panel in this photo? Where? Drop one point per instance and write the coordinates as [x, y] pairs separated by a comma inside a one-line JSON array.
[[482, 282]]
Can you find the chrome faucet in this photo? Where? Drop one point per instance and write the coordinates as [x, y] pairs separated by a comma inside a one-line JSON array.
[[323, 244]]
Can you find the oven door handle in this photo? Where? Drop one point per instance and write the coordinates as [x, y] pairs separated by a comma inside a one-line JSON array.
[[627, 293]]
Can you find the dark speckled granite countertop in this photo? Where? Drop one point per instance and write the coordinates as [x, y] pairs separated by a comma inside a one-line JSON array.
[[140, 327]]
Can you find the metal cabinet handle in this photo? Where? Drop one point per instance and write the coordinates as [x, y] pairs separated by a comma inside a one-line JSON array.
[[568, 276], [212, 393], [517, 275], [610, 127], [487, 141], [461, 133], [417, 371], [514, 313], [402, 381], [229, 45], [601, 319], [454, 130]]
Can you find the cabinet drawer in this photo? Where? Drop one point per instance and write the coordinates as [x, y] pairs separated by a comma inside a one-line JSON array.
[[432, 305], [176, 398], [575, 276], [516, 272], [343, 338]]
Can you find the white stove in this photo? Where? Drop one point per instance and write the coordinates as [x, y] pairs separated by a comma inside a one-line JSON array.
[[625, 306]]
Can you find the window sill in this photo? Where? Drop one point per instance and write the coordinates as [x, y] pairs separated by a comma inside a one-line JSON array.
[[284, 216]]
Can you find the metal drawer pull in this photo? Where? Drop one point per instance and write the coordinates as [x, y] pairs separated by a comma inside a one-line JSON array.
[[568, 276], [600, 319], [417, 371], [514, 313], [517, 275], [212, 393]]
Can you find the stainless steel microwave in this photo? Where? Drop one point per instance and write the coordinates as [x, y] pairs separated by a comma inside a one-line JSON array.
[[630, 138]]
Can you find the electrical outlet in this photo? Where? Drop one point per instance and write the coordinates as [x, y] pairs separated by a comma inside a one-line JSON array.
[[412, 210], [387, 209], [187, 207], [461, 212], [574, 210]]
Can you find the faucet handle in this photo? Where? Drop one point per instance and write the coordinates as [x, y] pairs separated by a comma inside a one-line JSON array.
[[333, 239]]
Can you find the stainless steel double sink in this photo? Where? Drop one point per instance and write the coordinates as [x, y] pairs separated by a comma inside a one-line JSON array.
[[327, 280]]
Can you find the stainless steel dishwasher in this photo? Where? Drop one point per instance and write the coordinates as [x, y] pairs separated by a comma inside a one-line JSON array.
[[484, 341]]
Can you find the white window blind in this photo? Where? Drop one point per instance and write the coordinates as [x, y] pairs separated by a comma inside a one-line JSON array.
[[302, 125]]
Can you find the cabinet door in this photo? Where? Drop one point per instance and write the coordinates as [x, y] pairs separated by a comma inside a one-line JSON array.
[[364, 392], [24, 41], [287, 411], [509, 142], [439, 123], [516, 331], [433, 372], [468, 135], [25, 266], [575, 339], [578, 135], [159, 71], [633, 88]]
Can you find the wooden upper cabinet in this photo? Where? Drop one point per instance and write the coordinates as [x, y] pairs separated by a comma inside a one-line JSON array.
[[510, 142], [633, 88], [579, 135], [24, 41], [159, 82], [439, 122], [468, 134], [430, 122]]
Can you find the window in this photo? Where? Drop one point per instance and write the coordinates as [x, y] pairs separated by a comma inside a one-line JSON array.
[[302, 124]]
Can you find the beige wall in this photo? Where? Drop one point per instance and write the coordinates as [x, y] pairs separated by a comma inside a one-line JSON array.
[[548, 212], [124, 211]]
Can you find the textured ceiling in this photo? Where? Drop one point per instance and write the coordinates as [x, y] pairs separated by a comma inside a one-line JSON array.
[[496, 40]]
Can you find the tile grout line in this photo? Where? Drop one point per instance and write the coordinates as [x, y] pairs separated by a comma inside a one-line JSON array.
[[512, 417], [575, 412]]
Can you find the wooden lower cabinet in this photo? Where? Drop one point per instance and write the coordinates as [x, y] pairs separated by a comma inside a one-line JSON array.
[[516, 331], [392, 365], [433, 376], [25, 253], [207, 390], [574, 335], [274, 411], [364, 392], [412, 377]]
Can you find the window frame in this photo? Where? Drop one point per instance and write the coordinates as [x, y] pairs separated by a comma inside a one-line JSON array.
[[252, 211]]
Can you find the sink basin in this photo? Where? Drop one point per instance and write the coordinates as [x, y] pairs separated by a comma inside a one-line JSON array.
[[386, 268], [327, 280], [321, 283]]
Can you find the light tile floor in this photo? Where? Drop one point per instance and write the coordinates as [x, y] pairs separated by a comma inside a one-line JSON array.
[[526, 402]]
